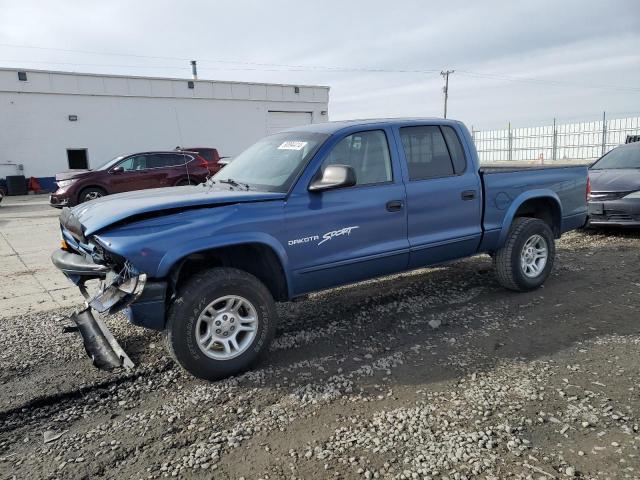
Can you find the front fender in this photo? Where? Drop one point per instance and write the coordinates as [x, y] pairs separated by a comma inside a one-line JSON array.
[[174, 255], [542, 193]]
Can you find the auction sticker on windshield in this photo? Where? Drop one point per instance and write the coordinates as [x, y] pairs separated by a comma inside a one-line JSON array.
[[292, 145]]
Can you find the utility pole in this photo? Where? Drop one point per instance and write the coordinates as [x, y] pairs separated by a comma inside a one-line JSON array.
[[445, 74], [194, 70]]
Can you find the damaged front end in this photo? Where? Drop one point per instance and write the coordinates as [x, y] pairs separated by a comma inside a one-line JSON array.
[[120, 285], [117, 290]]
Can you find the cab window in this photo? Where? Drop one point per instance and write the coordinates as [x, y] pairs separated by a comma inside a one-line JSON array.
[[367, 153], [426, 152]]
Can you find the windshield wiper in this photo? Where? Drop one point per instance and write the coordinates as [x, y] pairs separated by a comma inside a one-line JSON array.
[[232, 182]]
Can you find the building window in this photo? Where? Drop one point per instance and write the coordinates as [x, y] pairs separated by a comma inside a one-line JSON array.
[[22, 76], [190, 84], [77, 158]]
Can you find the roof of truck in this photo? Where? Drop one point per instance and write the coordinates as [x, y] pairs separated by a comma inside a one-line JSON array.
[[333, 127]]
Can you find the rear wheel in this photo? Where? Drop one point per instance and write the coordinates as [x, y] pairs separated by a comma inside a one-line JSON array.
[[185, 182], [90, 193], [221, 323], [526, 260]]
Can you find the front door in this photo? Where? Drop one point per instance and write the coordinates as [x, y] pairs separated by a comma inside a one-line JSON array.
[[348, 234], [137, 173], [443, 195]]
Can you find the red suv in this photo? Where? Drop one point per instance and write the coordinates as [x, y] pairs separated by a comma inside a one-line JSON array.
[[211, 155], [138, 171]]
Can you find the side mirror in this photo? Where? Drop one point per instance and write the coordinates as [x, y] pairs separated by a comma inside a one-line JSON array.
[[117, 169], [334, 176]]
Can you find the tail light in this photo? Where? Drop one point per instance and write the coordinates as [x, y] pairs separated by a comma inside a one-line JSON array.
[[588, 191], [202, 162]]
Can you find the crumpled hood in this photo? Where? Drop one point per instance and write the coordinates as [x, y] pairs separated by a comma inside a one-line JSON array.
[[102, 212], [615, 180]]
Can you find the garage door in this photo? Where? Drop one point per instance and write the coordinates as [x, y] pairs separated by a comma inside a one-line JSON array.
[[278, 121]]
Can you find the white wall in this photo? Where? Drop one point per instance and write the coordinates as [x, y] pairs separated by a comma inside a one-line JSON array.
[[118, 115]]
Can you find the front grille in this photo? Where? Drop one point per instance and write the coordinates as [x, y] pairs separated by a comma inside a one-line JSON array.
[[615, 216], [621, 216], [604, 196]]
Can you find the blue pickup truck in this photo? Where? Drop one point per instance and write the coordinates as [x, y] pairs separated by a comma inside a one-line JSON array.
[[300, 211]]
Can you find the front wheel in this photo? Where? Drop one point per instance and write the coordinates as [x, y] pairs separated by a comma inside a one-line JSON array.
[[221, 323], [91, 193], [526, 260]]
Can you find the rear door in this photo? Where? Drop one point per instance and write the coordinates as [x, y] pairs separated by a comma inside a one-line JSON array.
[[349, 234], [443, 195], [171, 168]]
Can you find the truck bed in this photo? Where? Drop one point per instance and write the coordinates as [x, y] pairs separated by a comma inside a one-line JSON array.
[[523, 167], [504, 187]]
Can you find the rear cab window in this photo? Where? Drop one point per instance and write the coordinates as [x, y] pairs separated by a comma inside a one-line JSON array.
[[432, 151]]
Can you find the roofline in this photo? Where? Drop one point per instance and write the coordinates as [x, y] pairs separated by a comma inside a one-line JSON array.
[[102, 75], [179, 152], [337, 126]]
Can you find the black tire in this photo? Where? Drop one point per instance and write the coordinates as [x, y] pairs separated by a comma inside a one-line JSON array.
[[184, 182], [507, 260], [194, 297], [86, 194]]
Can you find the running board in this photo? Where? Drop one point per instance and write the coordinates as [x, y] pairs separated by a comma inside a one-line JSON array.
[[101, 346]]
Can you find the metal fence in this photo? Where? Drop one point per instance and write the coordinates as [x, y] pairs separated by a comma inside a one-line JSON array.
[[565, 142]]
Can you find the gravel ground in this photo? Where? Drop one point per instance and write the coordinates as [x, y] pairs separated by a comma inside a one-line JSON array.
[[438, 374]]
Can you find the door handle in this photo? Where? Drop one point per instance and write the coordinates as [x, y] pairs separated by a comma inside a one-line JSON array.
[[468, 195], [395, 205]]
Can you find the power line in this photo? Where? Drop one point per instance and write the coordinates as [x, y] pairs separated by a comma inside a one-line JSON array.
[[231, 62], [243, 69], [94, 64], [557, 83], [276, 67]]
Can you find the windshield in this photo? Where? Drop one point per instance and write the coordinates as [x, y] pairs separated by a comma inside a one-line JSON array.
[[621, 157], [273, 163], [110, 163]]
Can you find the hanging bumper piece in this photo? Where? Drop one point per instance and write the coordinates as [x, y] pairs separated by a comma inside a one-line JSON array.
[[101, 346]]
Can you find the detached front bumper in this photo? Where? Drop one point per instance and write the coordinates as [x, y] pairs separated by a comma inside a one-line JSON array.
[[103, 349], [76, 266], [117, 291]]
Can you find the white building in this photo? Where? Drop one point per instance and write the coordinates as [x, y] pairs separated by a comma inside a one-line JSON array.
[[48, 118]]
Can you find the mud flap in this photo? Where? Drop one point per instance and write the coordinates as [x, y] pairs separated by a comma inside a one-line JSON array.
[[101, 346]]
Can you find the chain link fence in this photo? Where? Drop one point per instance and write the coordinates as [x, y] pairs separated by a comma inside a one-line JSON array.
[[566, 142]]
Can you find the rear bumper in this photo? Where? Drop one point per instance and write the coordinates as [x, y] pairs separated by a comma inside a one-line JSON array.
[[624, 212]]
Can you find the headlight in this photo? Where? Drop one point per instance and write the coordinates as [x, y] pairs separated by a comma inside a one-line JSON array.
[[65, 183], [635, 195]]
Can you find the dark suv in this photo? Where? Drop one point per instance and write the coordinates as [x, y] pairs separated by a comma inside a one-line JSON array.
[[137, 171]]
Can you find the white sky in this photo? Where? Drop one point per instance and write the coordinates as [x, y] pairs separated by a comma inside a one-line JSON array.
[[537, 59]]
